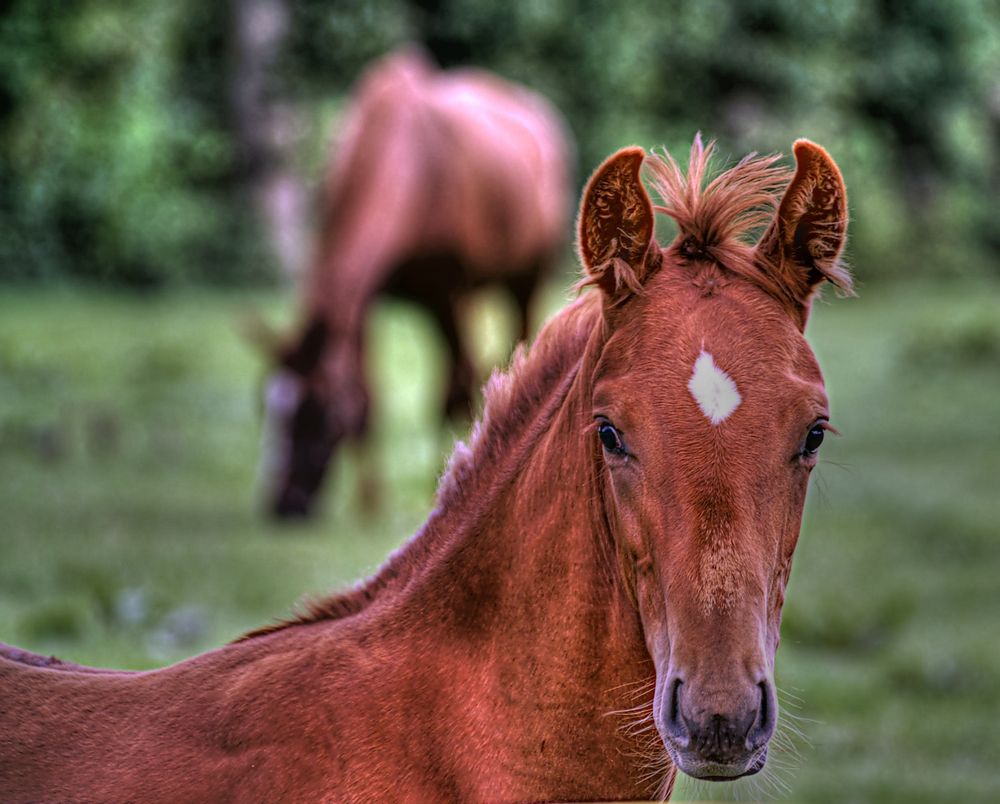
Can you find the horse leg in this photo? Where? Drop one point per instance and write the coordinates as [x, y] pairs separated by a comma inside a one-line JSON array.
[[522, 287], [365, 454], [462, 373], [365, 458]]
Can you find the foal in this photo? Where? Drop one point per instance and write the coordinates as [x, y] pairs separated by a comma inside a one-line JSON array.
[[622, 521]]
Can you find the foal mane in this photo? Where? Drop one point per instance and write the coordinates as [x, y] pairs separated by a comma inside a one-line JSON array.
[[510, 398]]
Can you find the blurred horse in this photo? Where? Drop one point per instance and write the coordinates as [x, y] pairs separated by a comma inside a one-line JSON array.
[[594, 602], [442, 182]]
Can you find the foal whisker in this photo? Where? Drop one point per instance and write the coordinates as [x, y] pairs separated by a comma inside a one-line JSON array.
[[645, 745]]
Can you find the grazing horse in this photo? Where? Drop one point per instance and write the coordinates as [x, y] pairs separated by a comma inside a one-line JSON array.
[[593, 604], [442, 182]]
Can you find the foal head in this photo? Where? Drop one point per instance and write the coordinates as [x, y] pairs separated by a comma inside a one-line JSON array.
[[314, 399], [709, 411]]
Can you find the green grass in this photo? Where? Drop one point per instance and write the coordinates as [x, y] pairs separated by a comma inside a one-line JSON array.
[[130, 533]]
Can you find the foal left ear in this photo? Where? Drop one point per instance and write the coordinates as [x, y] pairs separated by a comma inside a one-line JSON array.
[[802, 246], [615, 229]]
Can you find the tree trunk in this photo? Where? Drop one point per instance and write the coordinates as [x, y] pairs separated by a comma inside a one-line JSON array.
[[265, 128]]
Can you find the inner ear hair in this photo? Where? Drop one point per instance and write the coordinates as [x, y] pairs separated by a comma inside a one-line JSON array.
[[806, 237], [615, 228]]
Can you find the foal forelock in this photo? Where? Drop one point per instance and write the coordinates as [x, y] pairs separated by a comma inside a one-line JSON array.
[[720, 221], [733, 206]]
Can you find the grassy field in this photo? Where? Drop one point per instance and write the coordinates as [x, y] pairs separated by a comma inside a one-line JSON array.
[[130, 533]]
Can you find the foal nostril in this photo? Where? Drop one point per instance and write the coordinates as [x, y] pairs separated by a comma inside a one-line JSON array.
[[767, 715], [674, 724], [675, 701]]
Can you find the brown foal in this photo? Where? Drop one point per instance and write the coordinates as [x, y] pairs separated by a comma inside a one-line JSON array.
[[611, 547]]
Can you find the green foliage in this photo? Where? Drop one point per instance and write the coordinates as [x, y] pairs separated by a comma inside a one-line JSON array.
[[118, 154], [904, 95], [110, 167]]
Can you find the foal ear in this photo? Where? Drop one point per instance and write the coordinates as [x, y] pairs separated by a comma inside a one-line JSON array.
[[802, 246], [615, 228]]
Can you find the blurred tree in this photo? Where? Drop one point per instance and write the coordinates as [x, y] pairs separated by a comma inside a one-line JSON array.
[[110, 167], [911, 67], [264, 126], [132, 132]]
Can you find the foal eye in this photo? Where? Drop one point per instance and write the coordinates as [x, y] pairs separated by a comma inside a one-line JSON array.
[[813, 440], [611, 439]]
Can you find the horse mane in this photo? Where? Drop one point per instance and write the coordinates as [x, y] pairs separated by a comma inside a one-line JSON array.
[[510, 398]]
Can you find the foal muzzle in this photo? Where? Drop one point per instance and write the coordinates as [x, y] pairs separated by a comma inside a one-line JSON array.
[[708, 739]]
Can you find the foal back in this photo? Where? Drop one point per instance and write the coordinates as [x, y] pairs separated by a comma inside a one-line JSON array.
[[202, 730]]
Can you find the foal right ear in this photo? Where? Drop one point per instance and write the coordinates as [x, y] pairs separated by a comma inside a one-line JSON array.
[[615, 227], [802, 246]]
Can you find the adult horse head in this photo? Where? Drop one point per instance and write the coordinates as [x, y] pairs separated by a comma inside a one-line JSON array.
[[315, 398], [425, 199], [710, 409]]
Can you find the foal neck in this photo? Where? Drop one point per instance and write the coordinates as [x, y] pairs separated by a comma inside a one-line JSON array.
[[523, 611]]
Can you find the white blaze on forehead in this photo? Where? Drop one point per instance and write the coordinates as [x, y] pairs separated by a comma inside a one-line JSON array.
[[713, 389]]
